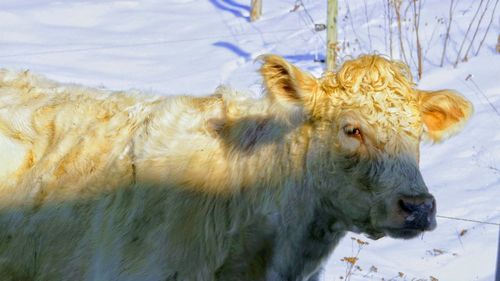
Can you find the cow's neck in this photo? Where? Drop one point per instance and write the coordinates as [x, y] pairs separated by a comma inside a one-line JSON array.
[[246, 154]]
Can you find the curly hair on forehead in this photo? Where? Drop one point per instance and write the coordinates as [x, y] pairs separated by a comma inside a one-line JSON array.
[[381, 90], [372, 73]]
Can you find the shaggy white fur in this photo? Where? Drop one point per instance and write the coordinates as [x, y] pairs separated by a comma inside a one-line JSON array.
[[100, 185]]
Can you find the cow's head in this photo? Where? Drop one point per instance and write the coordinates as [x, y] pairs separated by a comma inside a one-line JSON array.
[[368, 120]]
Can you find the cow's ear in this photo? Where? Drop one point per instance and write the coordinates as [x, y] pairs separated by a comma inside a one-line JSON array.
[[443, 113], [285, 82]]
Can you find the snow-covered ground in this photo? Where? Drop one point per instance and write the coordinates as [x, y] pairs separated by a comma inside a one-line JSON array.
[[191, 46]]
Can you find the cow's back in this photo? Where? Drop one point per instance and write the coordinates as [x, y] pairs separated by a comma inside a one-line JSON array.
[[73, 204], [62, 137]]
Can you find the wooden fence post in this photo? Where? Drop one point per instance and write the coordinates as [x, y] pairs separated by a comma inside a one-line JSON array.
[[498, 44], [497, 278], [256, 11], [331, 35]]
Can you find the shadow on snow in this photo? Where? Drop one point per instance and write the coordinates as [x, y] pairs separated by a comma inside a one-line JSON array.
[[232, 7], [248, 56]]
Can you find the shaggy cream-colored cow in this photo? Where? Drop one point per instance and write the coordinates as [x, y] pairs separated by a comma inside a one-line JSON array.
[[99, 185]]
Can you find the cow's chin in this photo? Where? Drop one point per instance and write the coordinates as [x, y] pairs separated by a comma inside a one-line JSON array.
[[370, 232], [399, 232], [393, 232], [403, 233]]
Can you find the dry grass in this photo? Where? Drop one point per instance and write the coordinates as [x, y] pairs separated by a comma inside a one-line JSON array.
[[354, 265], [404, 24]]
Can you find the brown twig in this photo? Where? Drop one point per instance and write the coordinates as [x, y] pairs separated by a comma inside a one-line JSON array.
[[447, 36], [368, 26], [397, 9], [429, 41], [488, 29], [467, 33], [476, 31], [358, 40]]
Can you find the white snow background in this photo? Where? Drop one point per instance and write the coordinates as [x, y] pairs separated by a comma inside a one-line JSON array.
[[175, 47]]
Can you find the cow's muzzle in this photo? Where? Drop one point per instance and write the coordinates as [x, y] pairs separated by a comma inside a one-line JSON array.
[[418, 212], [411, 215]]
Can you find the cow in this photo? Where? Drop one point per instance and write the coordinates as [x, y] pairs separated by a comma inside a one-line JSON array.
[[108, 185]]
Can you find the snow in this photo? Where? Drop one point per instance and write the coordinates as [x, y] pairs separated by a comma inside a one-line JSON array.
[[192, 46]]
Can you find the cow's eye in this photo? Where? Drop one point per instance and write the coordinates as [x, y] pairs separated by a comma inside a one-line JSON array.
[[352, 131]]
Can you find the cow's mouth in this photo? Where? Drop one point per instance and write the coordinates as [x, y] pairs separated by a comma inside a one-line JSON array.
[[398, 233], [403, 233], [409, 231]]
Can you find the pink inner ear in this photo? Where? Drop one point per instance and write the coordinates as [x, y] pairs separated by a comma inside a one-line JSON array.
[[286, 82], [456, 113], [279, 82], [288, 88], [434, 120], [440, 118], [444, 113]]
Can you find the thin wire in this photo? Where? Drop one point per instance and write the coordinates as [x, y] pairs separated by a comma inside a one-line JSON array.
[[77, 50], [312, 21], [468, 220], [469, 78], [306, 11]]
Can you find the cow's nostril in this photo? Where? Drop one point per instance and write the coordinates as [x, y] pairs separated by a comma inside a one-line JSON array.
[[413, 204], [405, 206], [430, 205]]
